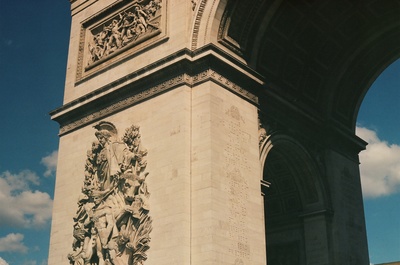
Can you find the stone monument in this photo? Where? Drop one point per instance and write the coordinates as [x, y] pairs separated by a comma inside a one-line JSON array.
[[215, 132]]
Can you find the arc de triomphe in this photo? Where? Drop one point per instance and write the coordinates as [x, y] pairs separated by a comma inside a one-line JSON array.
[[216, 131]]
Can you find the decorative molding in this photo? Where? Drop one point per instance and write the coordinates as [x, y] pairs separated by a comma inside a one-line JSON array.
[[112, 224], [122, 104], [197, 21], [116, 30], [210, 18], [265, 185], [81, 48], [267, 125], [262, 134], [183, 79], [223, 28], [249, 12], [194, 3]]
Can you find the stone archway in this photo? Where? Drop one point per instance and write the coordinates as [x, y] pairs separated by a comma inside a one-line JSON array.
[[316, 59], [211, 68], [319, 55], [296, 209]]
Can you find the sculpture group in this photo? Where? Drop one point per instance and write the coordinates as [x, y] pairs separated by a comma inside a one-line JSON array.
[[127, 27], [112, 224]]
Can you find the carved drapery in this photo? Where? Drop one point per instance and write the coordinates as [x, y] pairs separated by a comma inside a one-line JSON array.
[[112, 224]]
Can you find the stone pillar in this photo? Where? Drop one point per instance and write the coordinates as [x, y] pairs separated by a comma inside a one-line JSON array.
[[196, 197], [165, 132], [227, 207], [205, 197], [349, 239], [316, 231]]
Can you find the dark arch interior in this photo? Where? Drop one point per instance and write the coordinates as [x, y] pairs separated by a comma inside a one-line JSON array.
[[282, 208], [282, 200], [321, 55], [293, 192]]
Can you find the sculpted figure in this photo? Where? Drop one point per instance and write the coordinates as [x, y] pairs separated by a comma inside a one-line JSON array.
[[76, 256], [141, 18], [262, 134], [115, 39], [136, 21], [83, 247], [106, 230], [128, 24], [109, 159], [133, 221], [112, 225]]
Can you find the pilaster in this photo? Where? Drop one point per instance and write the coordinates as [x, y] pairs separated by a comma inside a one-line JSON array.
[[227, 206]]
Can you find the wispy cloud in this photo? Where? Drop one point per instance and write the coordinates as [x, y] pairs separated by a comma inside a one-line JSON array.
[[12, 243], [380, 165], [3, 262], [20, 205], [50, 162]]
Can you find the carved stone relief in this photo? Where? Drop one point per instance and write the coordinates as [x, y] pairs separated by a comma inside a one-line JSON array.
[[125, 28], [262, 133], [105, 36], [194, 3], [112, 224]]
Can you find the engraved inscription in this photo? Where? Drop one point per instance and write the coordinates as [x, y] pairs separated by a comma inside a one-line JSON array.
[[238, 190]]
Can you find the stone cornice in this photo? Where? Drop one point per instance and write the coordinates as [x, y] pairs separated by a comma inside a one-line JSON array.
[[184, 67]]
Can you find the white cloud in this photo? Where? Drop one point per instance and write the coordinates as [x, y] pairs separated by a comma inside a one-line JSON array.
[[3, 262], [380, 165], [12, 243], [19, 181], [20, 205], [50, 162]]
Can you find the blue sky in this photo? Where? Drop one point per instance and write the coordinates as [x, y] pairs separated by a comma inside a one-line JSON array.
[[379, 124], [34, 38]]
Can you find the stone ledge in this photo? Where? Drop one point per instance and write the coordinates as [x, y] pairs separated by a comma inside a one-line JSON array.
[[182, 68]]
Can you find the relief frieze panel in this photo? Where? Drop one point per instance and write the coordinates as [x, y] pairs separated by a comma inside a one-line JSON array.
[[106, 36], [112, 224]]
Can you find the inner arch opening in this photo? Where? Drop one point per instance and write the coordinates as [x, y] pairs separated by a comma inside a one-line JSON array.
[[378, 124], [293, 195]]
